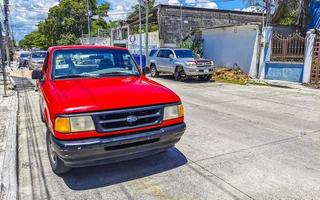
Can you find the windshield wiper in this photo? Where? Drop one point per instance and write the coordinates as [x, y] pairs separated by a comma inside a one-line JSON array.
[[117, 74], [78, 76]]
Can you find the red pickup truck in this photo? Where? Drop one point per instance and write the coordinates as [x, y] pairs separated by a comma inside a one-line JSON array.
[[100, 108]]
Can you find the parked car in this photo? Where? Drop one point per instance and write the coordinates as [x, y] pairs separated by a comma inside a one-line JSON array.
[[182, 63], [105, 113], [23, 59], [37, 59]]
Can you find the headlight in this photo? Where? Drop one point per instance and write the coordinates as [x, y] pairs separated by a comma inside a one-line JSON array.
[[212, 62], [191, 64], [173, 112], [74, 124]]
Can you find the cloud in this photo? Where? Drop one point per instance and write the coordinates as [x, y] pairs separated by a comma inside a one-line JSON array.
[[26, 14], [120, 9], [201, 4], [253, 9]]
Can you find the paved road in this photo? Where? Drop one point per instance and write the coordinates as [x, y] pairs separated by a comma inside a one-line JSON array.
[[242, 142]]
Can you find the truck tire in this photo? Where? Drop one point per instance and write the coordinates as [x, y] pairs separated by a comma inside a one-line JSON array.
[[205, 77], [57, 165], [154, 72], [179, 74]]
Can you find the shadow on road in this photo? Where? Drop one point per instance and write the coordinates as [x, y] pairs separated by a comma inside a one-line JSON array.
[[190, 80], [22, 83], [106, 175]]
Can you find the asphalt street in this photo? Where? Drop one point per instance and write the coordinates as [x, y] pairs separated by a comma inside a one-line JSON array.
[[242, 142]]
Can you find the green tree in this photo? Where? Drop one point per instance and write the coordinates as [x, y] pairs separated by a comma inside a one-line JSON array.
[[65, 23], [287, 12], [135, 9], [68, 39]]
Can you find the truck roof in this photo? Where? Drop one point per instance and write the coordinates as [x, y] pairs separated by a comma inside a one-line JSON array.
[[85, 47], [172, 48]]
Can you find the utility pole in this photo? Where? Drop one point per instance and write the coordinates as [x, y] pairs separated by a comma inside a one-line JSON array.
[[140, 33], [3, 64], [181, 23], [6, 24], [268, 12], [147, 30], [88, 13]]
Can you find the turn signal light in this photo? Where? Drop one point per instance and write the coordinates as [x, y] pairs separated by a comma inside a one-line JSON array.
[[181, 110], [62, 125]]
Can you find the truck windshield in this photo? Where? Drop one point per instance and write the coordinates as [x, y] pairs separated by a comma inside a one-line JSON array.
[[24, 55], [184, 53], [39, 55], [77, 63]]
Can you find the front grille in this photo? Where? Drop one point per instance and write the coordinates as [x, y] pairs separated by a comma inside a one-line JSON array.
[[204, 66], [118, 120], [203, 63]]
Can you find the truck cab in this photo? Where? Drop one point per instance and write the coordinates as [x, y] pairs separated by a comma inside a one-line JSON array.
[[182, 63], [100, 108]]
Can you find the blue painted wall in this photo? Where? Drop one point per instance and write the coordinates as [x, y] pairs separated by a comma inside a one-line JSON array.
[[284, 71], [315, 14]]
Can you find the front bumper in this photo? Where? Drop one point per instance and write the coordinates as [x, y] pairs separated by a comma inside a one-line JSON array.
[[99, 151], [198, 71]]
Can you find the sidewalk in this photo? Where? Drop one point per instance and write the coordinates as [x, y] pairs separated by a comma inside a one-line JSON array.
[[290, 85], [8, 144]]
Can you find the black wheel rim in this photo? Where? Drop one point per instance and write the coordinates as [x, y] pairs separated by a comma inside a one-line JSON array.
[[177, 75]]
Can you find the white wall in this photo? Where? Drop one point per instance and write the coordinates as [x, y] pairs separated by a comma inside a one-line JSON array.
[[134, 42], [96, 41], [265, 54], [233, 45], [308, 57]]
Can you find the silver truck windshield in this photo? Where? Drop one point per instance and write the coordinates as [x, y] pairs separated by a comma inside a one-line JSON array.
[[184, 53]]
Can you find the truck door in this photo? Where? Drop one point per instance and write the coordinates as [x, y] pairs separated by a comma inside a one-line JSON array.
[[168, 62]]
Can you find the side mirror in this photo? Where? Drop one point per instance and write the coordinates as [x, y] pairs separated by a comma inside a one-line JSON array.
[[37, 75], [171, 56], [146, 70]]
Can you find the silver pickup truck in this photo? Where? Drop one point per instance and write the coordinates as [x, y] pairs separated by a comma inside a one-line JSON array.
[[182, 63]]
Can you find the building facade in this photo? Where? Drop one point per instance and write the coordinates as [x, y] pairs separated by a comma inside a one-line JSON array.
[[176, 23]]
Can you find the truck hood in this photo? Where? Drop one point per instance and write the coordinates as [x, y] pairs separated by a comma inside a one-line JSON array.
[[88, 95]]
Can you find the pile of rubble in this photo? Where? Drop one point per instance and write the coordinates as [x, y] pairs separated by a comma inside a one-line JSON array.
[[231, 75]]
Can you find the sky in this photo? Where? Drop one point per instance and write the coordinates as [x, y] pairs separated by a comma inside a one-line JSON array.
[[25, 14]]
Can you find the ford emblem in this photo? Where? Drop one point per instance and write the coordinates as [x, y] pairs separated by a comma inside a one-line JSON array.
[[132, 119]]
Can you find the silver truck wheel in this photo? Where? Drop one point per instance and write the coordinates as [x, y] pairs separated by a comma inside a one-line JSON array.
[[180, 75]]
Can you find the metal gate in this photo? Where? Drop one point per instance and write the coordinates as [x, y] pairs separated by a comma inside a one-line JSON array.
[[288, 49], [315, 71]]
